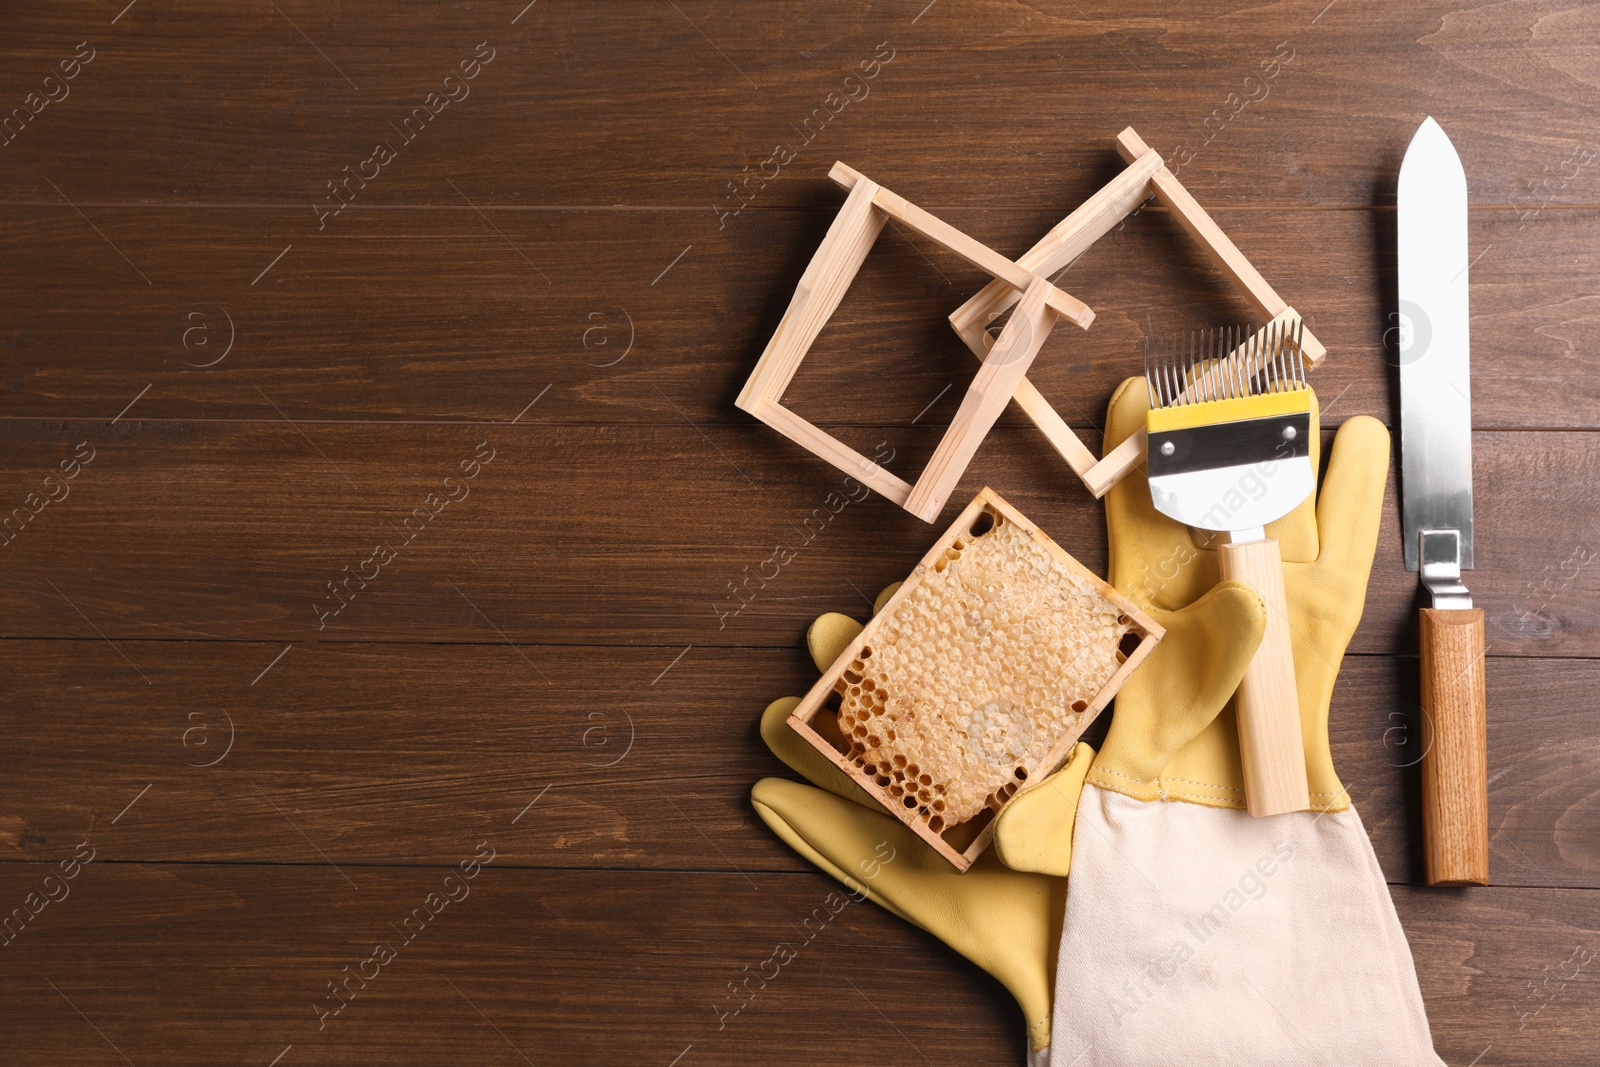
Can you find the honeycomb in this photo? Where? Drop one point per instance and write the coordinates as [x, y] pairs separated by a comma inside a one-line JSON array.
[[993, 656]]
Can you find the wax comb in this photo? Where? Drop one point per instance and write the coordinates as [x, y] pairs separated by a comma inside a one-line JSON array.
[[976, 679], [1229, 437]]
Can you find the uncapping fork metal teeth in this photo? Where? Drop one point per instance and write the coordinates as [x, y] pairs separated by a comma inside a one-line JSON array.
[[1183, 376], [1282, 360], [1299, 351], [1149, 376], [1236, 384], [1225, 363]]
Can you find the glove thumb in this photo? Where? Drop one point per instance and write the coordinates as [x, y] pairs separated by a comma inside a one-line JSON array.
[[1188, 678]]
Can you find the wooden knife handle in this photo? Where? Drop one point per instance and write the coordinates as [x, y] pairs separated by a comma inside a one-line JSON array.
[[1455, 761], [1271, 745]]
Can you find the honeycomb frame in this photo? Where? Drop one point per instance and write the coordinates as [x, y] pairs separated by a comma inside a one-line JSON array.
[[998, 731]]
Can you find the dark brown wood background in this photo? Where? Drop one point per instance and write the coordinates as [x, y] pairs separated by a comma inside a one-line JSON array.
[[553, 266]]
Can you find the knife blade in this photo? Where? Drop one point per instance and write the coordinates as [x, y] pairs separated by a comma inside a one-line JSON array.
[[1436, 503], [1435, 377]]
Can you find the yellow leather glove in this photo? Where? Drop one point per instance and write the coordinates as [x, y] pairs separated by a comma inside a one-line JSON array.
[[1004, 913], [1327, 545]]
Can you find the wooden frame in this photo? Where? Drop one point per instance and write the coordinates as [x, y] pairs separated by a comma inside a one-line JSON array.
[[1144, 176], [963, 843], [823, 285]]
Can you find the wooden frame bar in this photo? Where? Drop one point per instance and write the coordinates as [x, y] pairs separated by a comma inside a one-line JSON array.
[[1056, 250], [834, 266], [1144, 176], [986, 398], [1013, 276], [1176, 199]]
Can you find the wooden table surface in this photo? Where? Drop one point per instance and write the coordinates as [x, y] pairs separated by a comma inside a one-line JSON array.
[[244, 347]]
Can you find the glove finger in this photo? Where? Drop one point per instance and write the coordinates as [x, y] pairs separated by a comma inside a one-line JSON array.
[[1034, 831], [803, 758], [1351, 502], [998, 918], [832, 632], [884, 594], [1188, 678], [830, 635], [1126, 412]]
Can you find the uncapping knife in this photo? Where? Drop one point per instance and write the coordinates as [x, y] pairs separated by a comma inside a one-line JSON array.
[[1436, 504]]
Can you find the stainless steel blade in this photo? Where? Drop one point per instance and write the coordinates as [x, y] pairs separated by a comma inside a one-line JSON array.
[[1435, 377]]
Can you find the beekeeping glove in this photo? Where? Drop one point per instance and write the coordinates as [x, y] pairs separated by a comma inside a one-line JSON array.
[[1195, 933], [1004, 913]]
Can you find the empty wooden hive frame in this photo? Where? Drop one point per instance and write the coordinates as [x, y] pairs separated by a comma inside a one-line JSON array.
[[1021, 285]]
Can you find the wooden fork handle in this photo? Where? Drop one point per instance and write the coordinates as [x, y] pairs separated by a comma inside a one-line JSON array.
[[1455, 759], [1271, 745]]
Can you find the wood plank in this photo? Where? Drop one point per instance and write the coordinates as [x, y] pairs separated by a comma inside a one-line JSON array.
[[634, 102], [579, 263], [432, 315], [392, 752], [198, 964], [261, 531], [231, 964]]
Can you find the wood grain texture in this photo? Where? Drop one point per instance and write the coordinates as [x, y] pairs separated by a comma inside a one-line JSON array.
[[1217, 244], [833, 267], [1455, 766], [235, 530], [537, 963], [973, 252], [251, 113], [404, 315], [573, 266], [391, 750]]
